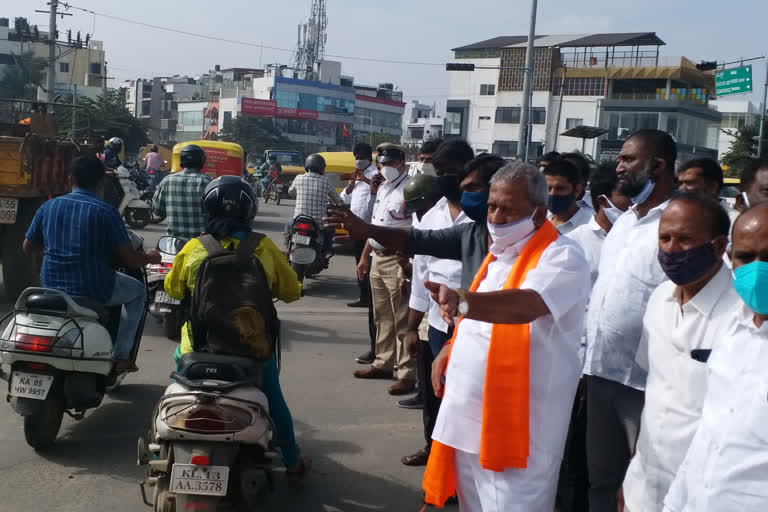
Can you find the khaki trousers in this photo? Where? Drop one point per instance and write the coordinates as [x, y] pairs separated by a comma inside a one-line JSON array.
[[390, 312]]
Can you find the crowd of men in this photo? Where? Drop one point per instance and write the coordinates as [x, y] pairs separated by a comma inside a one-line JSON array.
[[579, 337]]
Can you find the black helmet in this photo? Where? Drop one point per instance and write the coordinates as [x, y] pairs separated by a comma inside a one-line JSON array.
[[229, 197], [115, 144], [420, 193], [192, 157], [315, 163]]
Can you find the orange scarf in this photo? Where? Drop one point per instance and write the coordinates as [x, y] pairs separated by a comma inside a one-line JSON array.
[[504, 441]]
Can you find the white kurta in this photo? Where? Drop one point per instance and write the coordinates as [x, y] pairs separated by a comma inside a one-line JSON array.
[[726, 467], [560, 280], [676, 383]]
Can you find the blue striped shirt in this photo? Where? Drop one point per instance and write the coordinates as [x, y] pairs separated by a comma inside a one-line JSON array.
[[81, 235]]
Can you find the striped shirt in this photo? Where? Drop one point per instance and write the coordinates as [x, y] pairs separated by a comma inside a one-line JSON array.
[[81, 234], [178, 197], [312, 194]]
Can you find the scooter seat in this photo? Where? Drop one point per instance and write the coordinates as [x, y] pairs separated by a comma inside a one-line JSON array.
[[200, 366], [47, 302], [94, 305]]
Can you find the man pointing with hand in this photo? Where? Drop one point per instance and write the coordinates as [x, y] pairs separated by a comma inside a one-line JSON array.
[[512, 366]]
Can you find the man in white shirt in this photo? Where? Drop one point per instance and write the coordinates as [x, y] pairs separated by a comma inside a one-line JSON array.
[[573, 486], [629, 272], [727, 461], [358, 196], [684, 314], [754, 184], [564, 182], [390, 305], [449, 160], [705, 176], [502, 424]]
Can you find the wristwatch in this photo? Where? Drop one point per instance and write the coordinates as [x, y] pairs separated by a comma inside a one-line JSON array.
[[463, 304]]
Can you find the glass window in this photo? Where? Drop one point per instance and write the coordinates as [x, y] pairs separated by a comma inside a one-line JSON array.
[[63, 67], [487, 89], [453, 123], [94, 68], [191, 118], [508, 115], [505, 147], [416, 133], [539, 115], [573, 122]]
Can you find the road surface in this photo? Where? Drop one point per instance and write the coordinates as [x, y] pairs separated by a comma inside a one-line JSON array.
[[352, 429]]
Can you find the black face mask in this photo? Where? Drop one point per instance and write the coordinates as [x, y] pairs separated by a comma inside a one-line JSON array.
[[449, 187], [685, 267]]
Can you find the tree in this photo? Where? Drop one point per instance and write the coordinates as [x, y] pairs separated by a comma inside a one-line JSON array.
[[21, 79], [741, 149], [256, 135], [105, 116]]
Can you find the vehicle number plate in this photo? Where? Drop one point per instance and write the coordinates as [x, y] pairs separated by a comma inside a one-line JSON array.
[[206, 480], [30, 385], [163, 298], [301, 239], [8, 208]]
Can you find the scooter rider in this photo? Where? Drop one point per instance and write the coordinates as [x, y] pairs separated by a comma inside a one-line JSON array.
[[81, 235], [178, 195], [229, 203], [313, 190], [271, 172], [112, 153]]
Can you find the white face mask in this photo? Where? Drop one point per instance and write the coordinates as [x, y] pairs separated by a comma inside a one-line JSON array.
[[612, 213], [428, 169], [505, 235], [390, 173], [362, 164]]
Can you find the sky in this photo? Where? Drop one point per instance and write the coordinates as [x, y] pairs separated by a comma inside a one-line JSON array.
[[402, 30]]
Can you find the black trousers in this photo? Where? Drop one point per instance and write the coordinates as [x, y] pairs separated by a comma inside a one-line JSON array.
[[365, 293], [573, 486], [431, 403]]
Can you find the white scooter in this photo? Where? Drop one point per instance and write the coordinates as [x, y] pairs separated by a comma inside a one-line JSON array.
[[136, 212], [56, 354], [210, 443], [166, 309]]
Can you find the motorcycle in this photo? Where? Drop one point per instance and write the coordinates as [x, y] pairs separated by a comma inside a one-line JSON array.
[[211, 438], [146, 182], [122, 192], [169, 311], [307, 251], [56, 355]]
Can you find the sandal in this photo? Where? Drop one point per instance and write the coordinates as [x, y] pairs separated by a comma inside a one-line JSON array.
[[416, 459], [299, 471]]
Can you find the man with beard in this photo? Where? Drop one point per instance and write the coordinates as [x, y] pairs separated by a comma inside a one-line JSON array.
[[629, 272]]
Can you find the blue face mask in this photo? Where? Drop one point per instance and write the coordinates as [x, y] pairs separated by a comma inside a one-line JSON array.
[[475, 205], [751, 283], [559, 204]]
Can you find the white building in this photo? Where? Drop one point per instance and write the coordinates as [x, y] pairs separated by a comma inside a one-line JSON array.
[[737, 113], [424, 124], [617, 82]]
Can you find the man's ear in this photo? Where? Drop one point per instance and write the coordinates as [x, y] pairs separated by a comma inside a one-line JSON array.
[[720, 244]]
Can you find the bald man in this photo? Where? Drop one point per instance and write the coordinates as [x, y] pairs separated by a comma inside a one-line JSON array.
[[727, 462]]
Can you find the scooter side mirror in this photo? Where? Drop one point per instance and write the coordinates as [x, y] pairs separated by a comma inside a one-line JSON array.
[[170, 245]]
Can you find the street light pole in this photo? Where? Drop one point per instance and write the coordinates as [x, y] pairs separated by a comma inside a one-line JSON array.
[[51, 82], [522, 145], [762, 113]]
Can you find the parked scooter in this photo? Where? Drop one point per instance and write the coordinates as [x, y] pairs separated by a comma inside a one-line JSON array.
[[56, 354], [169, 311], [307, 253], [122, 192], [210, 441]]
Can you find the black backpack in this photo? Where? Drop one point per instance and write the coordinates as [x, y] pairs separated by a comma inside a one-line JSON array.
[[231, 310]]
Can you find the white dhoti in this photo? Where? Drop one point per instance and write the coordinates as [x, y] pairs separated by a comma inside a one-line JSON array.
[[515, 490]]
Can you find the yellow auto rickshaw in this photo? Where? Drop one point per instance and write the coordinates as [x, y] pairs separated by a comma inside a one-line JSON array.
[[221, 158]]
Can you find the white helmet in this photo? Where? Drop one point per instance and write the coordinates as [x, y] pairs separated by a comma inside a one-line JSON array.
[[116, 143]]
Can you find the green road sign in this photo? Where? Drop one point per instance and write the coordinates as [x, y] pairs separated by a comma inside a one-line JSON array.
[[733, 81]]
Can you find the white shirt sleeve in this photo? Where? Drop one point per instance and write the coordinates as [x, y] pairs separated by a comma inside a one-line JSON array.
[[561, 278], [345, 197], [419, 300]]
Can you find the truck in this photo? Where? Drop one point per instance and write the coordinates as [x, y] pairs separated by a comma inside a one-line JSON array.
[[291, 162], [34, 167]]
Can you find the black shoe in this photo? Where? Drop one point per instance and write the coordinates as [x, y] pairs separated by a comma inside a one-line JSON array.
[[414, 402], [366, 358]]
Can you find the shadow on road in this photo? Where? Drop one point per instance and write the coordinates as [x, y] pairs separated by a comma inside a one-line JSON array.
[[104, 442], [332, 487]]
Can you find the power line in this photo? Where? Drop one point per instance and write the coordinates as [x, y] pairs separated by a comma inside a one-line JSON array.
[[242, 43]]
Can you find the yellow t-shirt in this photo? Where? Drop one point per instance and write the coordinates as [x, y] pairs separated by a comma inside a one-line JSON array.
[[180, 281]]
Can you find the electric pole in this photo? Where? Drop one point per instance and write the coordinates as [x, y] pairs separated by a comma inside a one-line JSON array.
[[762, 113], [522, 145], [51, 83]]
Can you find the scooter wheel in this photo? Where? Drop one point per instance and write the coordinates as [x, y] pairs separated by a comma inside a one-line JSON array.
[[41, 428]]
